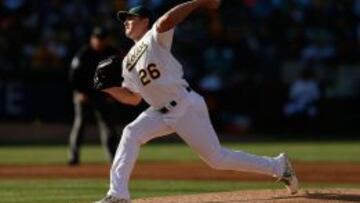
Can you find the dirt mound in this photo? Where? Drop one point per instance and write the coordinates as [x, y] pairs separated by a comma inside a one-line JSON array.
[[308, 196]]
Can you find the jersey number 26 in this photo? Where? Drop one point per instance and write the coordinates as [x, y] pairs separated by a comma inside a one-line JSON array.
[[148, 74]]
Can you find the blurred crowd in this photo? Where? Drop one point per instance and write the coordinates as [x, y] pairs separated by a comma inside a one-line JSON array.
[[240, 49], [245, 34]]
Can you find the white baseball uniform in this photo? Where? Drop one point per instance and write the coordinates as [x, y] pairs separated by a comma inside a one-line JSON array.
[[151, 70]]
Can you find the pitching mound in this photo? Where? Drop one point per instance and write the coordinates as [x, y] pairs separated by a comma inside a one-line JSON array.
[[307, 195]]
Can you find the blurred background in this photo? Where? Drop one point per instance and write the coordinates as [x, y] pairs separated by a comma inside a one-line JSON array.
[[273, 68]]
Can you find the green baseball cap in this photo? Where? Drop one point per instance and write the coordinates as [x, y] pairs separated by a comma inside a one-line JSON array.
[[141, 11]]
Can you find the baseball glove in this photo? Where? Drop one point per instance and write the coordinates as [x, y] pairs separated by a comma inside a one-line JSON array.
[[108, 73]]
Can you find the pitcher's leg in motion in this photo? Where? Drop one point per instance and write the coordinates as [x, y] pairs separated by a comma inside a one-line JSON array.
[[197, 131], [144, 128]]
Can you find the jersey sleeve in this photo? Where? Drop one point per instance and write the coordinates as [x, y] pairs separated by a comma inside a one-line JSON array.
[[165, 39], [75, 62], [77, 74], [129, 84]]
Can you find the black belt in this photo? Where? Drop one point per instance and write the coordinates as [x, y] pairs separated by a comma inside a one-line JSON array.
[[173, 103]]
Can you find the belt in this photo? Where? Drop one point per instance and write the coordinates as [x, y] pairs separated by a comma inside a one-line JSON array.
[[173, 103]]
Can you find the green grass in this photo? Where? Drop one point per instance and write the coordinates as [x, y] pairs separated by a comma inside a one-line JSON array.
[[304, 151], [88, 190], [85, 190]]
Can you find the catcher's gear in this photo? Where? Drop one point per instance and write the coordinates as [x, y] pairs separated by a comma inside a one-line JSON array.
[[108, 73]]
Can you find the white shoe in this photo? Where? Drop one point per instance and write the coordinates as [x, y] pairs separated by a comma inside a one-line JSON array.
[[112, 199], [288, 177]]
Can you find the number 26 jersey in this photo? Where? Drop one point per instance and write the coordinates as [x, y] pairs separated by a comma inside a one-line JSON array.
[[152, 71]]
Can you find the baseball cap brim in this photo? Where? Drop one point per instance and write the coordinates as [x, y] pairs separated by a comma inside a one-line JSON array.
[[141, 11], [122, 15]]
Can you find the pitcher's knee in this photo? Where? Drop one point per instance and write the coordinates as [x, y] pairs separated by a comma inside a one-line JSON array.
[[131, 135], [216, 161]]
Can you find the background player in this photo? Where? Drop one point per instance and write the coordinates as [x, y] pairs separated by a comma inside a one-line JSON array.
[[150, 72], [87, 100]]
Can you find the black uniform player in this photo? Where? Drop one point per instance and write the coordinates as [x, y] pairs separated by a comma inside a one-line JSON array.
[[87, 100]]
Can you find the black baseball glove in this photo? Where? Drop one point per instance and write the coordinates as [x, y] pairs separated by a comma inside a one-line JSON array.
[[108, 73]]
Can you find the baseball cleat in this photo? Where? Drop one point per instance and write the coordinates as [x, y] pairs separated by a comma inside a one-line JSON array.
[[112, 199], [288, 177]]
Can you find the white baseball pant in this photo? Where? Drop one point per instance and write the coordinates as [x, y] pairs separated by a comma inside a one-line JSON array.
[[190, 120]]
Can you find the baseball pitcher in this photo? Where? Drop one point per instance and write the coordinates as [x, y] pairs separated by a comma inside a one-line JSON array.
[[151, 72]]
